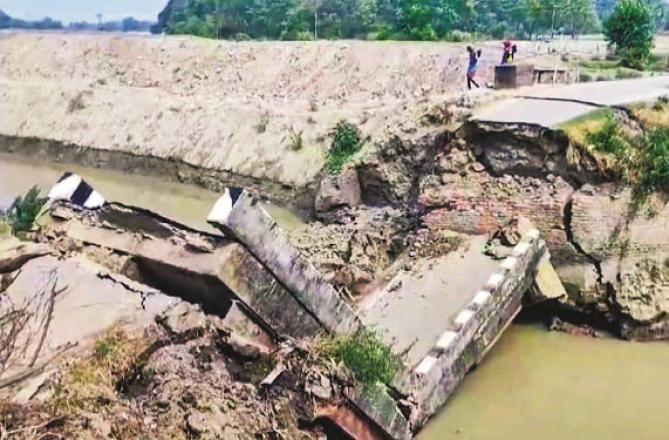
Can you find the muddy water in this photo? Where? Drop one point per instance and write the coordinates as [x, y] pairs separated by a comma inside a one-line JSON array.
[[187, 204], [540, 385]]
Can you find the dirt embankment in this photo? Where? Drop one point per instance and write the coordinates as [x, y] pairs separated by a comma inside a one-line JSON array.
[[222, 112]]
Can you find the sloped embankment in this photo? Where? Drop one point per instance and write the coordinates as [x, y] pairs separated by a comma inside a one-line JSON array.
[[210, 112]]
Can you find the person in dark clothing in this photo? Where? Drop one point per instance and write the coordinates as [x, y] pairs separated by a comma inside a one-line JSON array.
[[510, 50], [474, 57]]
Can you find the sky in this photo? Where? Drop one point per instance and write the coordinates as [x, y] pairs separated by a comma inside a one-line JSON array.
[[78, 10]]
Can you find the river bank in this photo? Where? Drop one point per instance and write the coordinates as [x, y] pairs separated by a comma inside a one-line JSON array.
[[533, 383]]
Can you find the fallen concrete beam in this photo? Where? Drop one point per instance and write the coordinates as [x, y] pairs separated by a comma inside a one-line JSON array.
[[238, 215]]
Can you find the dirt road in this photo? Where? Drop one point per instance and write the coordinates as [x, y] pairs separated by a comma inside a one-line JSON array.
[[550, 107]]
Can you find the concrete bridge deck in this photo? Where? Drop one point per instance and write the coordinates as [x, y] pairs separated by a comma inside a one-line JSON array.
[[414, 309]]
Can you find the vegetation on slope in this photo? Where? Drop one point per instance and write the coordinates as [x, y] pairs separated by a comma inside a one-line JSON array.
[[640, 159], [346, 142]]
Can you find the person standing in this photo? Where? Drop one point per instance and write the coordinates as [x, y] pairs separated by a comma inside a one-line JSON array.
[[474, 57], [510, 50]]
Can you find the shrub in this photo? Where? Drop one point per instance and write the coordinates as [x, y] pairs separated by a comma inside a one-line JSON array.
[[623, 73], [631, 27], [654, 167], [459, 36], [25, 211], [346, 141], [585, 77], [609, 139], [365, 356], [241, 36]]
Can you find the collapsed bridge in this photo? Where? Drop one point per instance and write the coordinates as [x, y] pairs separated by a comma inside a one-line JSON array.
[[442, 318]]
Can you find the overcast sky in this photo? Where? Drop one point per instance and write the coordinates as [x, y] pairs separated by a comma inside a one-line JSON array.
[[77, 10]]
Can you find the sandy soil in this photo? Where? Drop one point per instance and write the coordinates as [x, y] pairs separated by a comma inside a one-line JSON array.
[[204, 101]]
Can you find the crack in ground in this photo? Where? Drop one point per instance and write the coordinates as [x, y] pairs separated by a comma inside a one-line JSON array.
[[568, 217], [142, 293]]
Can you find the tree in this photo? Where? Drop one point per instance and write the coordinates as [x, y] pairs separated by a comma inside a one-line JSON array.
[[631, 28], [426, 19], [580, 16]]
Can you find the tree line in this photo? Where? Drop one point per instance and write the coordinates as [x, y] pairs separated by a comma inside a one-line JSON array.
[[388, 19], [128, 24], [7, 22]]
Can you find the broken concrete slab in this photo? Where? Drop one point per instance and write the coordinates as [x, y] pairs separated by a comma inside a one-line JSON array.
[[547, 283], [211, 270], [15, 253], [240, 216], [61, 304]]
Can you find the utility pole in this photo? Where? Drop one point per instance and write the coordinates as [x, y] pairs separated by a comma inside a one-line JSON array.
[[317, 4], [99, 17]]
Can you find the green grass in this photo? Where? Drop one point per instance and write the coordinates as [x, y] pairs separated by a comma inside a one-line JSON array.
[[577, 129], [364, 354], [599, 64], [82, 383], [610, 138], [641, 160], [347, 140], [605, 70]]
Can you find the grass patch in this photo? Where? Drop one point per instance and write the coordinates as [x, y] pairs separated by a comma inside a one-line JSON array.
[[596, 64], [653, 116], [347, 140], [627, 73], [263, 123], [295, 140], [654, 161], [609, 137], [5, 226], [578, 129], [641, 160], [84, 383], [659, 63], [368, 359], [605, 70]]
